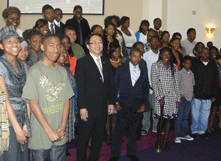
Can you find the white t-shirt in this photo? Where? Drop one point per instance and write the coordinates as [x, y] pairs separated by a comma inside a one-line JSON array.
[[129, 40], [143, 38]]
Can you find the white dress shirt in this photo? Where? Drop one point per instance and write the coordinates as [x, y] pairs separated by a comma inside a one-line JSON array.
[[150, 57], [96, 62]]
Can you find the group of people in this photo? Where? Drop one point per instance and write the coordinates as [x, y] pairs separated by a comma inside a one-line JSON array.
[[112, 81]]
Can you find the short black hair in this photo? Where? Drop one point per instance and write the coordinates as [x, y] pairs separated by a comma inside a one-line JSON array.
[[50, 35], [94, 27], [87, 41], [189, 30], [46, 7], [69, 28], [77, 7], [124, 19], [156, 20], [175, 34], [154, 37], [57, 9], [135, 49], [137, 43], [143, 23], [187, 57], [114, 46]]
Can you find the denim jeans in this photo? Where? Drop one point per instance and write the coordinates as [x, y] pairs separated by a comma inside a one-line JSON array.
[[181, 122], [146, 122], [56, 153], [200, 114]]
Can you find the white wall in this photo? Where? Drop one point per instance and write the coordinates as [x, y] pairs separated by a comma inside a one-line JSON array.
[[208, 12]]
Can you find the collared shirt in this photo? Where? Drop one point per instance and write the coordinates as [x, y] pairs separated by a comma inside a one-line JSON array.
[[186, 81], [57, 23], [49, 25], [137, 70], [150, 57], [96, 62], [188, 46]]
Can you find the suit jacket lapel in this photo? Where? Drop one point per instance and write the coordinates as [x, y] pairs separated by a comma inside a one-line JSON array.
[[93, 65], [127, 73]]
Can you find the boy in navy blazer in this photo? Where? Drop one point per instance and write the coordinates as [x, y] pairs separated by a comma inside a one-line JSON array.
[[132, 85]]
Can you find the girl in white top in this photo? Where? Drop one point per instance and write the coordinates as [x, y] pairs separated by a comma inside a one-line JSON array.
[[141, 35], [128, 34]]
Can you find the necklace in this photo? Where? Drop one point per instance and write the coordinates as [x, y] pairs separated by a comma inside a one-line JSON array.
[[115, 61]]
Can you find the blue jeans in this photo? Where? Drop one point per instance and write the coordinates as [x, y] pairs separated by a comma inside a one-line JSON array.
[[181, 122], [200, 114], [56, 153]]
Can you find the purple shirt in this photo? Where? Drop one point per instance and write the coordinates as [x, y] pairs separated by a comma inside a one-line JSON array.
[[186, 81]]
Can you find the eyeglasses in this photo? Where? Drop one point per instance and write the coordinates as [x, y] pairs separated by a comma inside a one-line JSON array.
[[96, 43]]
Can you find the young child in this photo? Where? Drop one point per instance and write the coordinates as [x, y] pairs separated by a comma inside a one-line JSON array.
[[205, 91], [133, 88], [186, 82], [12, 81], [76, 48], [48, 91]]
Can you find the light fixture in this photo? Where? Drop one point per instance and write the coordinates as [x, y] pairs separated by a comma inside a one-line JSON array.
[[210, 29]]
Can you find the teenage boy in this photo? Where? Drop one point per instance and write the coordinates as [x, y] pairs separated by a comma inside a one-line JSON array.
[[157, 23], [150, 34], [48, 92], [48, 14], [186, 82], [205, 91], [58, 14], [133, 88], [80, 25], [151, 57], [189, 43]]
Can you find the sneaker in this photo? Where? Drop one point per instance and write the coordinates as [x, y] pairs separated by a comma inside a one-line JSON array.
[[143, 132], [177, 140], [187, 138]]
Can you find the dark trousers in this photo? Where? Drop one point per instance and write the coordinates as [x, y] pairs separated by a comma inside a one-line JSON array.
[[94, 127], [126, 121]]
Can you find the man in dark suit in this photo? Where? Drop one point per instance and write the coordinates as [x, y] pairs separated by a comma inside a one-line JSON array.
[[48, 14], [80, 25], [133, 89], [58, 14], [96, 90]]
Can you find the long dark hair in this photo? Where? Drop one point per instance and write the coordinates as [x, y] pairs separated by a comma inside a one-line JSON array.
[[70, 51], [143, 23], [170, 61]]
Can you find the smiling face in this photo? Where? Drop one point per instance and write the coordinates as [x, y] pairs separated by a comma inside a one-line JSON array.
[[66, 42], [58, 15], [35, 42], [23, 54], [116, 54], [51, 48], [110, 30], [175, 44], [78, 14], [214, 54], [165, 57], [13, 20], [71, 34], [205, 55], [43, 30], [166, 37], [11, 46], [154, 43], [95, 45], [63, 56]]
